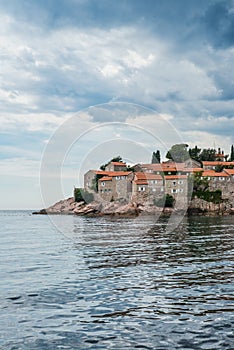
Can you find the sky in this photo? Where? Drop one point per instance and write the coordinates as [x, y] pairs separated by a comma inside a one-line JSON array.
[[84, 80]]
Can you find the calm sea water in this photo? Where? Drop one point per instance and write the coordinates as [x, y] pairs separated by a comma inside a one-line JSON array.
[[115, 284]]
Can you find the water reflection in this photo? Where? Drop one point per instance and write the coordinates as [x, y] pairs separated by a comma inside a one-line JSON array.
[[128, 284]]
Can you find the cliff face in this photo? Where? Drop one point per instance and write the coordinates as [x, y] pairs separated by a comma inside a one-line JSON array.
[[196, 207]]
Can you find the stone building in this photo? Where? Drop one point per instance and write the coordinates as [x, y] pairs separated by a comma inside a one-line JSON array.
[[116, 185], [177, 187], [208, 165], [116, 166], [147, 186], [223, 181]]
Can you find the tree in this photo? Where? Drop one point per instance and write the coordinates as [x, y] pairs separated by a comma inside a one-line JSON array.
[[198, 183], [115, 159], [156, 157], [208, 154], [219, 168], [232, 154], [194, 153], [178, 153]]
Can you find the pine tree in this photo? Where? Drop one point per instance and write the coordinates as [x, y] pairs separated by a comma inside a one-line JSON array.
[[232, 154], [156, 157]]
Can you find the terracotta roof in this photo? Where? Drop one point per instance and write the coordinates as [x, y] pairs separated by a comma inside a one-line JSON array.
[[229, 171], [174, 177], [147, 176], [119, 163], [105, 178], [112, 173], [212, 173], [214, 163], [154, 167], [167, 166], [141, 182], [193, 170]]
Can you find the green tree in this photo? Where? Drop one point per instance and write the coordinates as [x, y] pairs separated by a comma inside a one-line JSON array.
[[166, 201], [208, 154], [156, 157], [194, 153], [232, 154], [178, 153], [80, 195], [115, 159], [198, 183], [219, 168]]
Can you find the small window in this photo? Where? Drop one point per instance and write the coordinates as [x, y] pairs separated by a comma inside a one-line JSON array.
[[174, 183], [141, 189], [173, 190], [117, 177], [181, 190], [103, 183], [180, 182]]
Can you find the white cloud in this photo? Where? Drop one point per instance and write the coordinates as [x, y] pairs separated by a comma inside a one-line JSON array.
[[31, 121]]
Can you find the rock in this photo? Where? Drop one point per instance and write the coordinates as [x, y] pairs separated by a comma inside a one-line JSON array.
[[201, 207], [121, 208]]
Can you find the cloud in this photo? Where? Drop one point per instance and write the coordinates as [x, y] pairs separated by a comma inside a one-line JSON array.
[[60, 57]]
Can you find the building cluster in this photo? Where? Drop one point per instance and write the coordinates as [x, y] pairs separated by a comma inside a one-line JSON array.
[[151, 182]]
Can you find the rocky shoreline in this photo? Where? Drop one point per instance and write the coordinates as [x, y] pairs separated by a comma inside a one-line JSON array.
[[122, 209]]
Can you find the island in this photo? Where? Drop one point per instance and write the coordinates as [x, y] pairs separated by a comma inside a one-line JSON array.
[[194, 181]]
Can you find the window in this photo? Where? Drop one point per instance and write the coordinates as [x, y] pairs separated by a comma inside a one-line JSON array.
[[180, 182], [154, 189], [153, 181], [103, 183], [174, 183], [181, 190], [117, 177], [221, 178], [162, 189], [141, 189], [173, 190]]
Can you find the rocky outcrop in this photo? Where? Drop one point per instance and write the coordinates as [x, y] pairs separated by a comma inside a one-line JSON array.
[[201, 207], [65, 206], [121, 208], [116, 208]]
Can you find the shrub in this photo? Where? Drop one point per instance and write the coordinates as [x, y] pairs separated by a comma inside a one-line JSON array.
[[210, 196], [80, 195], [165, 201]]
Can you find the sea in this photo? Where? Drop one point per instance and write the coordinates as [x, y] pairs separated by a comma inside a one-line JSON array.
[[70, 282]]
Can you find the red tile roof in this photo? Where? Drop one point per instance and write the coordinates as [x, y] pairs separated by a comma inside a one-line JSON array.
[[154, 167], [119, 163], [174, 177], [105, 178], [212, 173], [214, 163], [147, 176], [112, 173], [141, 182], [229, 171]]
